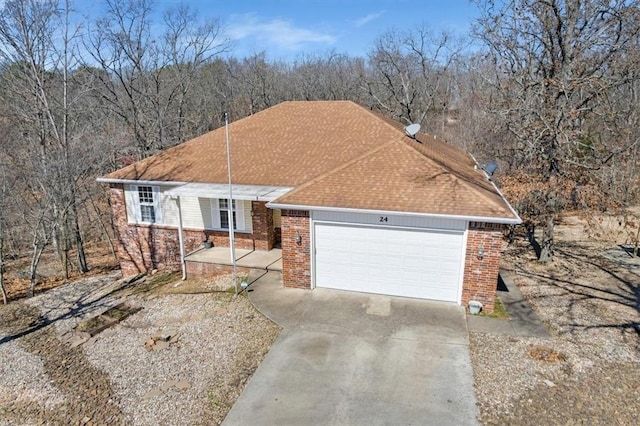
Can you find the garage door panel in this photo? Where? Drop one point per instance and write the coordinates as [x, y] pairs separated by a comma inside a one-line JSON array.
[[401, 262]]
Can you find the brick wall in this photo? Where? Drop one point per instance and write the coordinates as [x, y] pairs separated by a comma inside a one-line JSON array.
[[263, 231], [145, 247], [132, 242], [296, 258], [221, 238], [481, 275], [202, 269]]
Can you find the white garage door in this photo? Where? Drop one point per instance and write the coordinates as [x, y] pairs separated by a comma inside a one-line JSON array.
[[398, 262]]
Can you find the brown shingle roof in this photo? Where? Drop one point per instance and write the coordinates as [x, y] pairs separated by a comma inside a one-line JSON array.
[[398, 177], [336, 154], [285, 145]]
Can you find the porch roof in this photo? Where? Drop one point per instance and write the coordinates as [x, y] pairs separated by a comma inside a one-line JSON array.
[[221, 190]]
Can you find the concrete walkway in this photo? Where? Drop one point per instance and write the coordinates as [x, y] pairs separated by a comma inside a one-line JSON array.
[[522, 322], [348, 358]]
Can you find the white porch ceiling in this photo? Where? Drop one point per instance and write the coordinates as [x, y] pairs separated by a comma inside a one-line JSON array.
[[221, 190]]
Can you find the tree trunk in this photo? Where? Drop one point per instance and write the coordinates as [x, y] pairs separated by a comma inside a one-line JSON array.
[[103, 227], [2, 289], [64, 259], [3, 195], [82, 260], [35, 260], [4, 292], [546, 247], [60, 240]]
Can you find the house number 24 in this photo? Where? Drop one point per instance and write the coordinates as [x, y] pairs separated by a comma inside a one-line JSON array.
[[384, 219]]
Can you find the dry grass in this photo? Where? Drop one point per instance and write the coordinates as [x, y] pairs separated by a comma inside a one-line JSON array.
[[589, 299], [541, 353], [49, 272]]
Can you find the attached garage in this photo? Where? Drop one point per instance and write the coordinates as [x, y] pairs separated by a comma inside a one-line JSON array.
[[408, 261]]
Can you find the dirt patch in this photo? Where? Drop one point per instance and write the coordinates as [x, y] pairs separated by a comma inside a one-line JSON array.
[[590, 301], [540, 353], [107, 319], [221, 281]]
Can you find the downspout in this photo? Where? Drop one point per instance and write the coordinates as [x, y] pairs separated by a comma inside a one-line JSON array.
[[183, 263], [253, 234]]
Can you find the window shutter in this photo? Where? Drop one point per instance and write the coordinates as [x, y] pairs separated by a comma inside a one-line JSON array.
[[133, 203], [215, 213], [157, 204], [239, 215]]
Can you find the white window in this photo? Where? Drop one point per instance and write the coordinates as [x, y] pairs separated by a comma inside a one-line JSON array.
[[143, 204], [220, 214], [224, 214], [147, 204]]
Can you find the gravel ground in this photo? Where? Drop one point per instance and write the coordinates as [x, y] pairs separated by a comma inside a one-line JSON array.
[[589, 372], [52, 375]]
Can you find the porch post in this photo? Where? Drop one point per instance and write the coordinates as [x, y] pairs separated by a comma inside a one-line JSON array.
[[183, 264], [230, 206]]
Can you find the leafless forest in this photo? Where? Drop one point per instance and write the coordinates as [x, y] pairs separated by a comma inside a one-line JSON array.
[[550, 89]]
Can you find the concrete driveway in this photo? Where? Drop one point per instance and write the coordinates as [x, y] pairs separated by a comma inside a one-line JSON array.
[[357, 359]]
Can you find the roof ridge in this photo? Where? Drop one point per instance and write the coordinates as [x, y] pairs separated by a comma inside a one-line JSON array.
[[415, 146], [382, 119], [337, 169], [478, 189]]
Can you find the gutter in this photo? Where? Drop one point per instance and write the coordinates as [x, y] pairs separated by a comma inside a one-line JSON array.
[[139, 182], [505, 200], [497, 190]]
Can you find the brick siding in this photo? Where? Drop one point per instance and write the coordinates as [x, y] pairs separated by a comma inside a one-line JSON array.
[[481, 275], [145, 247], [203, 269], [142, 248], [263, 231], [296, 258]]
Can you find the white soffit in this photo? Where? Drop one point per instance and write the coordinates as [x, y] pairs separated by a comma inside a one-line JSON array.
[[221, 190]]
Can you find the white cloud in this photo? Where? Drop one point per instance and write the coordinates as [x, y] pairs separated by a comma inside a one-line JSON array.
[[368, 18], [282, 33]]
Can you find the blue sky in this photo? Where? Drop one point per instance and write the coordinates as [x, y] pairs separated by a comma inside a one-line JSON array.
[[285, 29]]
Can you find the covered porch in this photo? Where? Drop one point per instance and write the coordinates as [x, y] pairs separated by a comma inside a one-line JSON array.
[[221, 256], [256, 226], [206, 207]]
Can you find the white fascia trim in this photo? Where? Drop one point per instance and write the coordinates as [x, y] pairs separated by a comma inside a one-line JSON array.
[[505, 221], [140, 182], [506, 202], [497, 190]]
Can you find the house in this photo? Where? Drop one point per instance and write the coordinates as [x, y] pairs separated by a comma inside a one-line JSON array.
[[355, 202]]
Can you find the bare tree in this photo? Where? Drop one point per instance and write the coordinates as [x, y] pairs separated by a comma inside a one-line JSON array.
[[188, 46], [38, 43], [410, 77], [255, 84], [4, 201], [146, 76], [556, 64], [332, 76]]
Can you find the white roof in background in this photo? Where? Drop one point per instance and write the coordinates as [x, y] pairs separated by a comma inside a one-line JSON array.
[[221, 190]]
